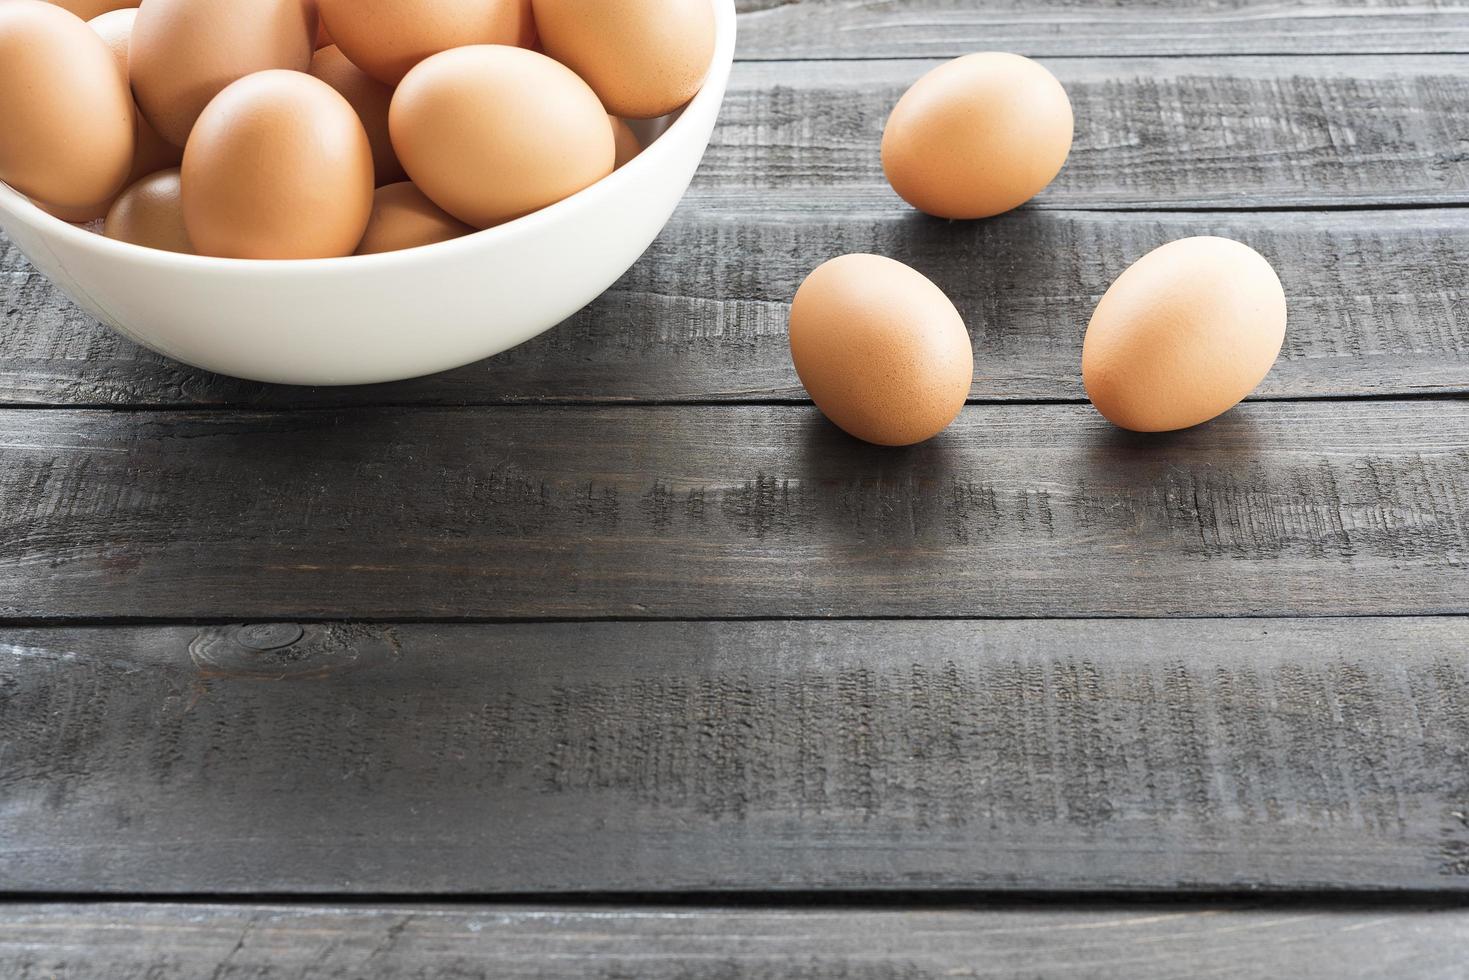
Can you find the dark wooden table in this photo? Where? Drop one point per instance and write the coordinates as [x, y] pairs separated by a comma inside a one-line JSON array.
[[609, 657]]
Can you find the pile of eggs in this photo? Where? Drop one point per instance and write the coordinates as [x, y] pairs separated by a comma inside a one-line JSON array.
[[1181, 336], [295, 129]]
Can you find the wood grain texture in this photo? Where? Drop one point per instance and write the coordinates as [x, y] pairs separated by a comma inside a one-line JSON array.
[[692, 512], [1379, 305], [659, 757], [1150, 133], [414, 942], [947, 28], [792, 176], [664, 757]]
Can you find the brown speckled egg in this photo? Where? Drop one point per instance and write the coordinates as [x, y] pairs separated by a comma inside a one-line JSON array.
[[1183, 335], [66, 118], [278, 167], [185, 52], [643, 58], [150, 213], [87, 9], [385, 38], [403, 218], [977, 136], [491, 132], [626, 142], [370, 98], [880, 349]]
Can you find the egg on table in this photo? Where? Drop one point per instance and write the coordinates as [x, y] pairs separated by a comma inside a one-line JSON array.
[[880, 349], [977, 136], [491, 132], [643, 58], [402, 217], [184, 52], [150, 213], [277, 167], [385, 38], [68, 132], [1183, 335]]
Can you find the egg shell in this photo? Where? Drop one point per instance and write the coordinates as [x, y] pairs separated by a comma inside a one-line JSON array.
[[491, 132], [77, 216], [67, 135], [402, 217], [370, 98], [87, 9], [278, 167], [150, 213], [643, 58], [977, 136], [184, 52], [1183, 335], [385, 38], [151, 152], [625, 142], [880, 349]]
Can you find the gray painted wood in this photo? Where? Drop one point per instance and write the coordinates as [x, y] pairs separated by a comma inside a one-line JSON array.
[[946, 28], [692, 512], [413, 942], [656, 757], [1150, 133], [1379, 305]]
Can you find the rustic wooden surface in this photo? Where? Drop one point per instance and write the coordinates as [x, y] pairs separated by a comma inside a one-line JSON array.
[[1379, 305], [1030, 755], [1278, 508], [414, 942], [948, 28], [617, 618]]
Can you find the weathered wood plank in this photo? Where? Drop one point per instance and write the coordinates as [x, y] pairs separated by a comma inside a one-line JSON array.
[[1276, 508], [411, 942], [1030, 755], [1379, 306], [946, 28], [793, 172], [1150, 133]]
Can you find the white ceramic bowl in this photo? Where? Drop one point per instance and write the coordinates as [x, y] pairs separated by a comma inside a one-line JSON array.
[[390, 316]]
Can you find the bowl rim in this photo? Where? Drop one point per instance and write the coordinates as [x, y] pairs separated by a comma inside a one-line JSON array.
[[712, 90]]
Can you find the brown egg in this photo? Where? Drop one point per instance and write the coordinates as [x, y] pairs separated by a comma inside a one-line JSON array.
[[278, 167], [150, 152], [385, 38], [370, 98], [977, 136], [643, 58], [1183, 335], [880, 349], [150, 213], [491, 132], [87, 9], [625, 142], [66, 119], [184, 52], [77, 216], [402, 217], [153, 151]]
